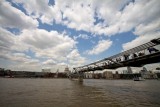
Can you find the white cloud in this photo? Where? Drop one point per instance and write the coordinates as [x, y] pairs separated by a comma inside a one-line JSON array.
[[75, 59], [83, 36], [48, 44], [47, 13], [14, 18], [23, 59], [115, 20], [135, 13], [150, 28], [102, 46], [19, 61], [53, 46], [49, 62], [120, 16], [131, 16], [140, 40], [145, 33], [106, 17], [145, 22], [6, 39], [82, 21]]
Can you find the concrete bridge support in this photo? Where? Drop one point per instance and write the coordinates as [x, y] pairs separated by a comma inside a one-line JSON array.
[[129, 69], [80, 79], [70, 77]]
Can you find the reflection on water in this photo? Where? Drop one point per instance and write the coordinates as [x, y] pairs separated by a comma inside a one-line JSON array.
[[91, 93]]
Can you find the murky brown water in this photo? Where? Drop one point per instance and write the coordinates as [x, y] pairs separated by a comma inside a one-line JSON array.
[[16, 92]]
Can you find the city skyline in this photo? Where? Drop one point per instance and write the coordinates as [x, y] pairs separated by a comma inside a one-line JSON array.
[[54, 33]]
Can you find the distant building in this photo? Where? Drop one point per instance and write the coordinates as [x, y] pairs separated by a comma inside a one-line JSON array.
[[88, 75], [67, 71], [129, 70], [116, 75], [46, 70], [57, 72], [125, 71], [97, 75], [148, 74], [2, 72], [39, 74], [108, 75]]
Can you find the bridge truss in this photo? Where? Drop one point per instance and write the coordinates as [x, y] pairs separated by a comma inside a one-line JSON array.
[[134, 57]]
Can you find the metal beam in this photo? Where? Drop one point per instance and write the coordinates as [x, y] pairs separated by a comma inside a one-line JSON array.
[[137, 49]]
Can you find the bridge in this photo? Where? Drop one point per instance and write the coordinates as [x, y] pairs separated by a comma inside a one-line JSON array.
[[136, 57]]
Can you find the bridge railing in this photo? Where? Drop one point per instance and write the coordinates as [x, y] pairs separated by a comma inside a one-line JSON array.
[[119, 58]]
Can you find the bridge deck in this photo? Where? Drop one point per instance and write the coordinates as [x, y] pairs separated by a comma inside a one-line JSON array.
[[138, 61]]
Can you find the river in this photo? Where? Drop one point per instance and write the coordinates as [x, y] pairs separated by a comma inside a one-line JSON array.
[[28, 92]]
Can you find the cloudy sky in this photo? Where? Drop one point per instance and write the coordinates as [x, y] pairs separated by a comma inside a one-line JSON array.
[[36, 34]]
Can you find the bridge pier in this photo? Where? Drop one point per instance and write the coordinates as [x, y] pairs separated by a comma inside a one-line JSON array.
[[92, 74], [129, 69], [70, 77], [80, 79]]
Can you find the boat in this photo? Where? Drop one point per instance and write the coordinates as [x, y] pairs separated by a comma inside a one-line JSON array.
[[138, 79]]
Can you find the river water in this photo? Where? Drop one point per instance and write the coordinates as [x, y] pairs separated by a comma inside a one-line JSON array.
[[25, 92]]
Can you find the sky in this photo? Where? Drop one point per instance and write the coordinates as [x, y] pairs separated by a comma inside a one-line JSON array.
[[41, 34]]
